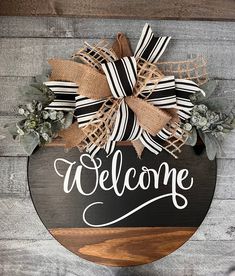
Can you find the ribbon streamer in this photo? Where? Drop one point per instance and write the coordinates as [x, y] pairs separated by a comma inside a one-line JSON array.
[[65, 93]]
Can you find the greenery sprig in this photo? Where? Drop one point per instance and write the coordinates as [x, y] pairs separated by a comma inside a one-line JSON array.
[[37, 125], [209, 124]]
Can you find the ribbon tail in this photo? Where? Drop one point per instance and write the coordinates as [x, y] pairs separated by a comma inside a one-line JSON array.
[[162, 95], [73, 136], [184, 90], [149, 142], [138, 146], [126, 126], [151, 118], [109, 147], [155, 143], [150, 47], [121, 46], [92, 150], [64, 95]]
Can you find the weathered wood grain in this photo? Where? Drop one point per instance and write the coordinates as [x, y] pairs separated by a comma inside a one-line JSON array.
[[219, 224], [84, 28], [225, 188], [13, 179], [9, 147], [19, 220], [122, 246], [31, 54], [228, 146], [10, 95], [175, 9], [49, 258]]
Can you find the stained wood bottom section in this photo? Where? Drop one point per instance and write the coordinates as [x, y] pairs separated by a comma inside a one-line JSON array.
[[123, 246]]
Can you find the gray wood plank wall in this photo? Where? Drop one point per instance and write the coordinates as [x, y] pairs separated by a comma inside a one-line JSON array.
[[26, 248]]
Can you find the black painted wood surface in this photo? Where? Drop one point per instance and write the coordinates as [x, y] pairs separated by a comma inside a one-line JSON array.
[[159, 223]]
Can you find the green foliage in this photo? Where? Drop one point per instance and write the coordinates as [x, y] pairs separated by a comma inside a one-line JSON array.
[[37, 92], [206, 121], [38, 125], [30, 142], [192, 139]]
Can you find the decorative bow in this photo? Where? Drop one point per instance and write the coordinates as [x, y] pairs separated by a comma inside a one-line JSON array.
[[124, 98]]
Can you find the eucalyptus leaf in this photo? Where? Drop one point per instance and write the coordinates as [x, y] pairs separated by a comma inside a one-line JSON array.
[[68, 120], [192, 139], [227, 126], [30, 142], [219, 141], [42, 78], [222, 104], [201, 135], [209, 88], [36, 85], [56, 126], [30, 93], [211, 146], [233, 123]]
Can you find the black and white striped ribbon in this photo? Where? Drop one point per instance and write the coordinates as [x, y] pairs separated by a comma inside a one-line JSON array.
[[162, 95], [93, 150], [65, 93], [126, 126], [184, 89], [121, 76], [150, 47], [109, 147], [155, 143], [86, 109]]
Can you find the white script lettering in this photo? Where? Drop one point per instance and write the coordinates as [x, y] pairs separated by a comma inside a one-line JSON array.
[[176, 180]]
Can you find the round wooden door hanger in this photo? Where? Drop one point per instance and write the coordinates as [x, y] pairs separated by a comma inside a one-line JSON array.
[[121, 210]]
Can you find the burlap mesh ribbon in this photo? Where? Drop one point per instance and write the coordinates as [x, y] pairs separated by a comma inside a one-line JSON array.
[[126, 97]]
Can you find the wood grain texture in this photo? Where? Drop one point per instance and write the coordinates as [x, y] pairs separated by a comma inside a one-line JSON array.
[[84, 28], [31, 257], [13, 180], [123, 246], [175, 9], [10, 94], [8, 146], [32, 54]]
